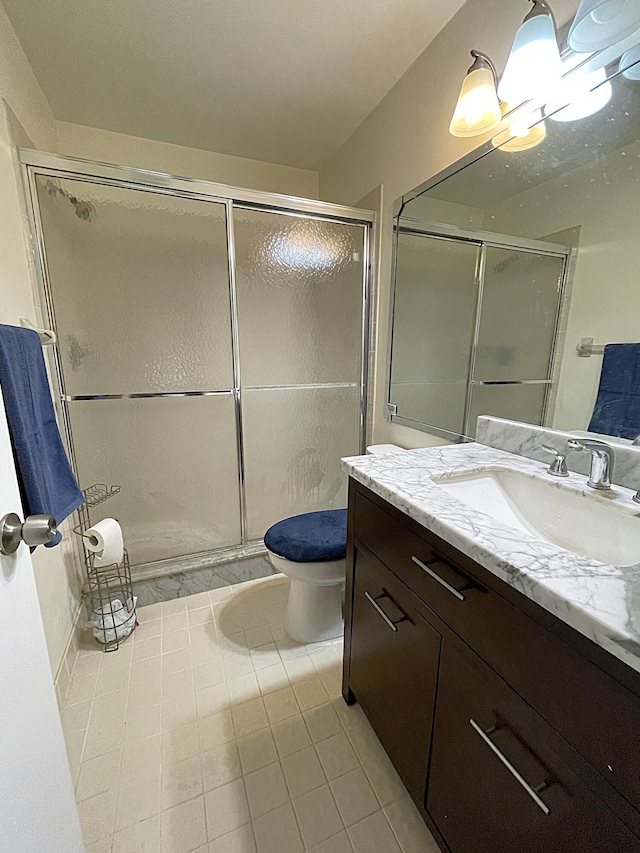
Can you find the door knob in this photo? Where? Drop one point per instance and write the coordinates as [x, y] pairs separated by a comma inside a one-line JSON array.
[[34, 530]]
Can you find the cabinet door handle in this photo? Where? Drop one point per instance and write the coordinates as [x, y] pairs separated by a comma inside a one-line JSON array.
[[374, 601], [531, 791], [437, 578]]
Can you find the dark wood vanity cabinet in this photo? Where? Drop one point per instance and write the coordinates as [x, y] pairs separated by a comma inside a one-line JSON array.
[[503, 725], [394, 653]]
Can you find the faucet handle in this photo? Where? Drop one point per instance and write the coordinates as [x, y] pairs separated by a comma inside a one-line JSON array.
[[558, 467]]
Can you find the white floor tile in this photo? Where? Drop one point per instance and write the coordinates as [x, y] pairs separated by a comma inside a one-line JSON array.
[[290, 735], [142, 837], [373, 835], [336, 756], [310, 693], [181, 781], [338, 844], [322, 722], [257, 750], [266, 790], [409, 827], [183, 827], [354, 796], [212, 732], [99, 775], [277, 832], [226, 808], [239, 841], [220, 766], [317, 816], [249, 717], [303, 772], [281, 705], [215, 730]]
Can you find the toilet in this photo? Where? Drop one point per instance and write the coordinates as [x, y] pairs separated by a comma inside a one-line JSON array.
[[310, 549]]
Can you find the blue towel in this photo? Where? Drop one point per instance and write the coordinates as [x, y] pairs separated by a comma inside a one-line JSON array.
[[617, 408], [46, 480]]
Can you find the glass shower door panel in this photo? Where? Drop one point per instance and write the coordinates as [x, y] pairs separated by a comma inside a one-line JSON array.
[[515, 402], [140, 287], [433, 323], [176, 460], [519, 313], [300, 289], [294, 439]]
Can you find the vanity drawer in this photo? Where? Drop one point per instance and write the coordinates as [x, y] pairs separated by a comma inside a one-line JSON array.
[[593, 712], [496, 783], [394, 659]]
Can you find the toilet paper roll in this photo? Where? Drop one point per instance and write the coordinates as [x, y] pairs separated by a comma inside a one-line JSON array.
[[104, 540]]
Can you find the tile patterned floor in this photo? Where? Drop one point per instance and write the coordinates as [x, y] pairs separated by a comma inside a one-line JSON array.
[[210, 731]]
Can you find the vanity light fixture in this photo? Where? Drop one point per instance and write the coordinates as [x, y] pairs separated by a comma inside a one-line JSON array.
[[630, 63], [526, 131], [582, 93], [603, 23], [478, 107], [533, 68]]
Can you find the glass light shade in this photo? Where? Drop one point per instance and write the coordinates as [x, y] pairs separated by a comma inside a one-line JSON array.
[[602, 23], [581, 94], [526, 131], [630, 63], [478, 108], [534, 68]]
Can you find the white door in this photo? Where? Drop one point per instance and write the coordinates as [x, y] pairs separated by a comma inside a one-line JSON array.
[[37, 808]]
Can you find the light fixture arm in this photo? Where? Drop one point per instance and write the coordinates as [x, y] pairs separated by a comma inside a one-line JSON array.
[[541, 7], [481, 60]]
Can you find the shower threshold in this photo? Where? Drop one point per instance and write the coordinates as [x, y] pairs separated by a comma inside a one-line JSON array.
[[169, 579]]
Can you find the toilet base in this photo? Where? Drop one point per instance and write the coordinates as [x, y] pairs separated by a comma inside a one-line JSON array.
[[314, 613]]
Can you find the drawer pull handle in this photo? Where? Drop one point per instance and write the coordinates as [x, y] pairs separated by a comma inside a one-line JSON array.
[[440, 580], [531, 791], [374, 601]]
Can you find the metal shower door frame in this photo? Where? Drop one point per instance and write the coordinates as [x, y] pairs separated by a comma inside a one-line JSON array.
[[482, 240], [34, 163]]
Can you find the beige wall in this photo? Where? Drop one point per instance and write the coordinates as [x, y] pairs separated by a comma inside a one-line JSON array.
[[91, 143], [25, 119], [405, 140]]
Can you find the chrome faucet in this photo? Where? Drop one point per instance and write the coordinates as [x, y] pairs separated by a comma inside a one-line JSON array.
[[602, 458]]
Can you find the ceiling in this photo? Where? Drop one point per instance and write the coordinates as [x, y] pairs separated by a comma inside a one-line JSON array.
[[286, 81]]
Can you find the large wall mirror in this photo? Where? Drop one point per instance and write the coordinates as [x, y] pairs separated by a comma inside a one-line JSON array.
[[515, 268]]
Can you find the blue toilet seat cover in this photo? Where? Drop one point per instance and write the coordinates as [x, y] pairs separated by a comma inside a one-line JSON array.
[[314, 537]]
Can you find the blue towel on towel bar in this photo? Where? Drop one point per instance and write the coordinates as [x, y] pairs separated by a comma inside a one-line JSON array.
[[46, 480], [617, 408]]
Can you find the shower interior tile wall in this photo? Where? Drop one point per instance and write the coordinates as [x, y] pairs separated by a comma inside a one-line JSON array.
[[210, 731]]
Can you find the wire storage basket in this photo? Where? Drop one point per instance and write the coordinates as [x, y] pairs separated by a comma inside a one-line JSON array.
[[107, 590]]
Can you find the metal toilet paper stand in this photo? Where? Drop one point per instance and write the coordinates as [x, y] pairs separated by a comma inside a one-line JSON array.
[[107, 590]]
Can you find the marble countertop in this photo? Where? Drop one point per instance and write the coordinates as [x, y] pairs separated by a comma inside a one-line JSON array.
[[600, 601]]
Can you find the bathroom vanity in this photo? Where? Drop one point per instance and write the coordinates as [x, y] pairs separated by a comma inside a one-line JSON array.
[[500, 671]]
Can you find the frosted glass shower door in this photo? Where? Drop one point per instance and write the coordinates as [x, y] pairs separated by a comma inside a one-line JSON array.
[[139, 284], [516, 334], [300, 318], [433, 323]]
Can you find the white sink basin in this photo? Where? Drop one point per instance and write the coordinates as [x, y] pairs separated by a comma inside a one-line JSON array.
[[598, 525]]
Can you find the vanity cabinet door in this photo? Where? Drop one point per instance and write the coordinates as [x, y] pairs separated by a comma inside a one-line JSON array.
[[393, 668], [495, 784]]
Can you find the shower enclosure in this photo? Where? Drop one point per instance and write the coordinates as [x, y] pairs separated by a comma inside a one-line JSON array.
[[475, 328], [212, 351]]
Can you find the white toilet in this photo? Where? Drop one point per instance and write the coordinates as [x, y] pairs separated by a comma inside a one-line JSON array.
[[315, 607]]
